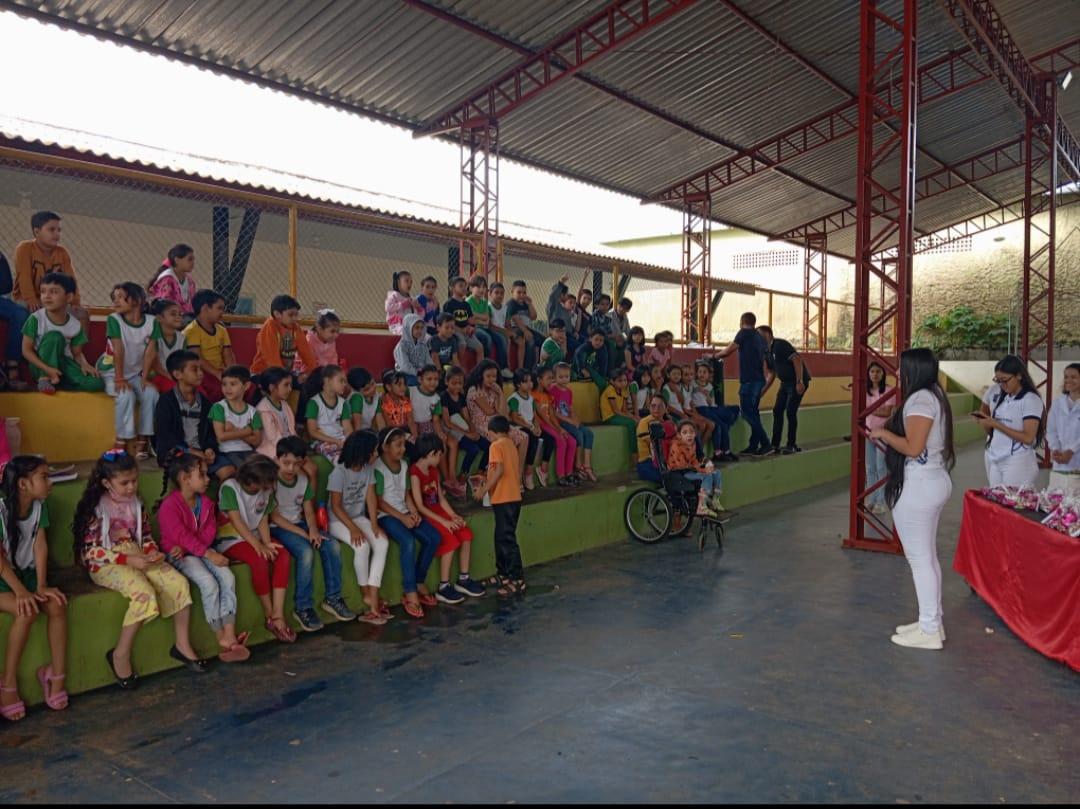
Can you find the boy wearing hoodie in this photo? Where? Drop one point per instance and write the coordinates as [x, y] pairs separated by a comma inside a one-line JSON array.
[[412, 352]]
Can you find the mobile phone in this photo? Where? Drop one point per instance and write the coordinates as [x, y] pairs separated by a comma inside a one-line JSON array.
[[977, 414]]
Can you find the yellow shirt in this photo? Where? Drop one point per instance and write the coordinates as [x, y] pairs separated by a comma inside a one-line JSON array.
[[609, 400], [211, 347], [644, 442]]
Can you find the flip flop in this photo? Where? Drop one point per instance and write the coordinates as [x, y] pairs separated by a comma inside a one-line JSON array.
[[282, 633], [237, 653], [411, 609], [373, 618], [427, 599], [58, 701], [16, 711]]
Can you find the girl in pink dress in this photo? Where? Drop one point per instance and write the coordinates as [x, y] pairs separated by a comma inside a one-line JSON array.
[[399, 302], [322, 337], [173, 280]]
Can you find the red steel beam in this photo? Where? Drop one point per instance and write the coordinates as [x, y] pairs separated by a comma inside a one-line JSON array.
[[993, 161], [680, 123], [821, 74], [980, 23], [612, 27]]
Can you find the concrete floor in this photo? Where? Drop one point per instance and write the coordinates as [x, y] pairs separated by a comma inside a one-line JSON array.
[[627, 674]]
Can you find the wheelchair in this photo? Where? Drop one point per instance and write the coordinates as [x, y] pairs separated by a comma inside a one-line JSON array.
[[655, 513]]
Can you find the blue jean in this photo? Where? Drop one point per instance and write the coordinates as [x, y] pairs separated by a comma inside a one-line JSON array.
[[470, 450], [15, 316], [710, 481], [217, 587], [146, 396], [411, 381], [303, 554], [749, 402], [502, 347], [646, 470], [875, 471], [413, 569], [582, 434], [723, 418]]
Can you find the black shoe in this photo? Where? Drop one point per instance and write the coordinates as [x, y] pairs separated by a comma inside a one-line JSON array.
[[764, 451], [127, 683], [791, 449], [749, 451], [730, 457], [198, 665]]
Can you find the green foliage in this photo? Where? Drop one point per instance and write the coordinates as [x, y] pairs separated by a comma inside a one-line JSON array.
[[961, 327]]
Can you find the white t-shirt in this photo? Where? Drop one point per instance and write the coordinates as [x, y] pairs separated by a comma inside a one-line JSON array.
[[329, 418], [165, 350], [248, 417], [641, 397], [498, 316], [1063, 431], [39, 324], [672, 397], [290, 499], [135, 340], [353, 487], [252, 508], [1012, 411], [28, 528], [526, 408], [426, 406], [702, 397], [924, 403], [392, 486], [366, 409]]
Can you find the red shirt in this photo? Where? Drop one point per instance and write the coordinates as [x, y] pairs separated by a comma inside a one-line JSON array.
[[429, 485]]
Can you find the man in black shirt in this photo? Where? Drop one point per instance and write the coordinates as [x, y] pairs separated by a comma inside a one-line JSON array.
[[784, 363], [752, 348]]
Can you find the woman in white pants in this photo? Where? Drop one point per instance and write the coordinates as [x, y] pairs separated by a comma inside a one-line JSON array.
[[919, 457], [1063, 434], [1012, 415], [353, 507]]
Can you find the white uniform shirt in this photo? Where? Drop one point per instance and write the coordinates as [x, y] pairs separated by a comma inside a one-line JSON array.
[[353, 486], [924, 403], [252, 508], [1063, 430], [1012, 411], [426, 406]]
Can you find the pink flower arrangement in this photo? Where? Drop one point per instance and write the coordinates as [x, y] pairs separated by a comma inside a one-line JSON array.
[[1063, 512]]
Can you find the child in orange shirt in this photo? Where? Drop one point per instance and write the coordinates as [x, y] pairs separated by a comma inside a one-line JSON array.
[[503, 474], [37, 257], [281, 338], [682, 457]]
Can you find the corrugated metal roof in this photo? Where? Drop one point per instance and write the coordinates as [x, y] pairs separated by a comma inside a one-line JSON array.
[[704, 66], [526, 238]]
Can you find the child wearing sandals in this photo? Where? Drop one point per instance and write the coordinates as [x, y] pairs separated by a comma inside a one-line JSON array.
[[113, 542], [329, 419], [399, 518], [293, 525], [24, 591], [683, 457], [127, 365], [501, 485], [454, 534], [188, 522], [354, 509], [247, 500]]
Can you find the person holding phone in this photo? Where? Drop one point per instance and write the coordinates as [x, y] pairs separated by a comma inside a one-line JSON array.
[[1013, 416]]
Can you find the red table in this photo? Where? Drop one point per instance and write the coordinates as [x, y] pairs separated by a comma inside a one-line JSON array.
[[1028, 573]]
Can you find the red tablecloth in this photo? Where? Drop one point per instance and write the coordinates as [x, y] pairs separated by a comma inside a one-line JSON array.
[[1028, 573]]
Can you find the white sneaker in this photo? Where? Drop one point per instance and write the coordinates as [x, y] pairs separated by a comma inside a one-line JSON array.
[[919, 640], [903, 629]]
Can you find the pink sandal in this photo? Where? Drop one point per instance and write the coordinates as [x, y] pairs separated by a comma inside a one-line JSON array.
[[411, 608], [373, 618], [16, 711], [283, 633], [58, 701]]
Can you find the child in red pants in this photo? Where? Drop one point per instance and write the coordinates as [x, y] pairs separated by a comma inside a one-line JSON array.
[[455, 534]]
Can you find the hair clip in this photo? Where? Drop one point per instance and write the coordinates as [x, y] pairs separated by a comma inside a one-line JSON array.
[[326, 311], [393, 432], [113, 455], [167, 263]]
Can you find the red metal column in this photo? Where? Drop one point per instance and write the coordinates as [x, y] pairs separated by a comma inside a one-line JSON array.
[[883, 154], [696, 267], [479, 212], [815, 274], [1040, 209]]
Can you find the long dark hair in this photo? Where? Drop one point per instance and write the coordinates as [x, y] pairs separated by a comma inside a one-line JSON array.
[[179, 462], [108, 466], [918, 371], [175, 252], [869, 384], [1013, 365], [313, 387], [476, 377], [18, 468]]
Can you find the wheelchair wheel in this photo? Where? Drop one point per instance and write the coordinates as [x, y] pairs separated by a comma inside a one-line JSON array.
[[682, 518], [648, 516]]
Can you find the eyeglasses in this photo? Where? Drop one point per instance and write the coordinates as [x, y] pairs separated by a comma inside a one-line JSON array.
[[1003, 380]]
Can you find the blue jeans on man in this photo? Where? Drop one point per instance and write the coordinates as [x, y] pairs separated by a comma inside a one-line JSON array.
[[749, 403]]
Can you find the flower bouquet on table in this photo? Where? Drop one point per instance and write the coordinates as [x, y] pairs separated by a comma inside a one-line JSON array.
[[1065, 516], [1021, 498]]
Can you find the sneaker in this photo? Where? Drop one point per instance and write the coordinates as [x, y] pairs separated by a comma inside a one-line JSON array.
[[790, 448], [308, 620], [45, 385], [467, 586], [704, 511], [919, 640], [506, 374], [729, 457], [905, 629], [448, 594], [62, 474], [338, 608], [715, 504], [764, 452], [749, 451], [787, 451]]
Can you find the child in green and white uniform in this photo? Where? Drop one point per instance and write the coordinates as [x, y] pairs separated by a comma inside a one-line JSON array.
[[127, 365]]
